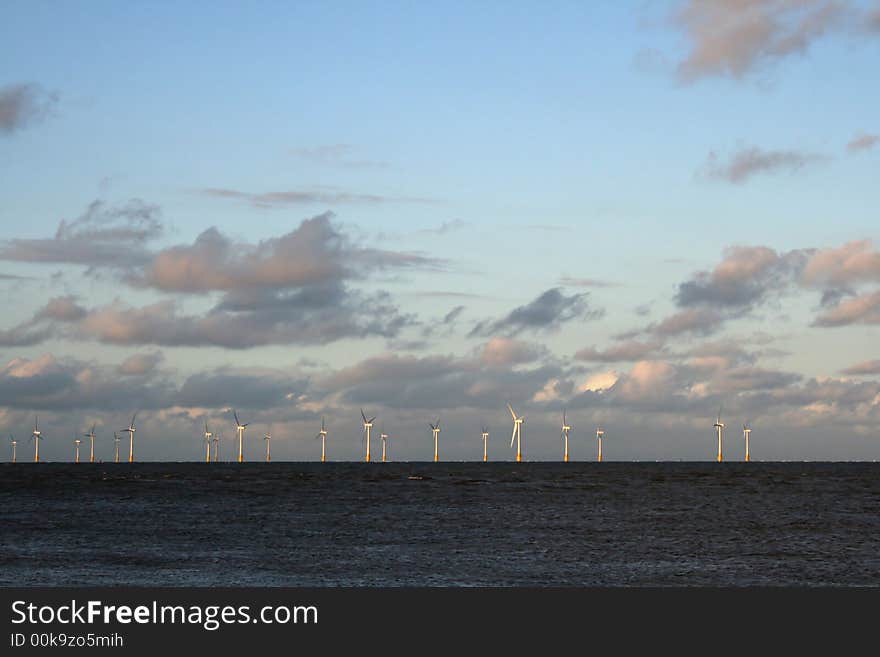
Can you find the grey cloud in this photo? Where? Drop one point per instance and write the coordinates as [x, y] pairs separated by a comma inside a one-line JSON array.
[[742, 279], [585, 282], [748, 162], [631, 350], [315, 252], [701, 321], [22, 105], [546, 313], [839, 267], [64, 309], [314, 196], [866, 368], [863, 309], [339, 155], [733, 37], [140, 364], [862, 142], [242, 388], [102, 236]]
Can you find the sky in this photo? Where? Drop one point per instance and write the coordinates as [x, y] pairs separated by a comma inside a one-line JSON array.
[[639, 213]]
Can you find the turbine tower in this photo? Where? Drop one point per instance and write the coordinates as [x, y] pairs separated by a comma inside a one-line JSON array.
[[130, 431], [91, 436], [268, 439], [208, 436], [485, 436], [216, 441], [600, 433], [384, 437], [747, 432], [435, 429], [240, 428], [36, 436], [368, 425], [13, 442], [517, 433], [76, 442], [116, 440], [322, 434], [719, 427], [565, 429]]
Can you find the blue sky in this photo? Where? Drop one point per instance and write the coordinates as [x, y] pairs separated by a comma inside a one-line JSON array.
[[474, 158]]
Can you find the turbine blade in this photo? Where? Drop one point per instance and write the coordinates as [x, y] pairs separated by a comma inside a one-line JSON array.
[[363, 415], [512, 436], [371, 419], [236, 416], [510, 408]]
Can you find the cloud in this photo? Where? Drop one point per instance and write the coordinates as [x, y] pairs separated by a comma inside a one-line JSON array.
[[585, 282], [865, 368], [853, 263], [64, 309], [102, 236], [631, 350], [731, 38], [863, 309], [338, 155], [314, 196], [748, 162], [701, 321], [141, 364], [250, 388], [743, 278], [314, 253], [547, 312], [445, 227], [505, 352], [22, 105], [862, 142]]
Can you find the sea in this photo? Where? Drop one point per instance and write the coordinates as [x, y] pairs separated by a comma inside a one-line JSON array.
[[441, 525]]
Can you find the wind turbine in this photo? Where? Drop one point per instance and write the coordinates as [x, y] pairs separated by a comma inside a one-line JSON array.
[[14, 442], [368, 425], [76, 441], [719, 426], [240, 428], [485, 436], [268, 439], [36, 436], [384, 437], [517, 433], [600, 433], [322, 434], [91, 436], [436, 431], [216, 441], [130, 431], [116, 440], [208, 436], [565, 429], [747, 432]]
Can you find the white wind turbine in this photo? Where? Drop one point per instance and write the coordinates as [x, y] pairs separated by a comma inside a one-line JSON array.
[[485, 437], [36, 436], [91, 436], [130, 431], [384, 437], [719, 427], [368, 425], [517, 432], [268, 439], [435, 430], [216, 441], [208, 436], [116, 440], [747, 433], [13, 442], [565, 429], [76, 442], [322, 434], [600, 434], [240, 428]]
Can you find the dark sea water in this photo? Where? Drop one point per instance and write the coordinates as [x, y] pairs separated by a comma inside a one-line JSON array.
[[453, 524]]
